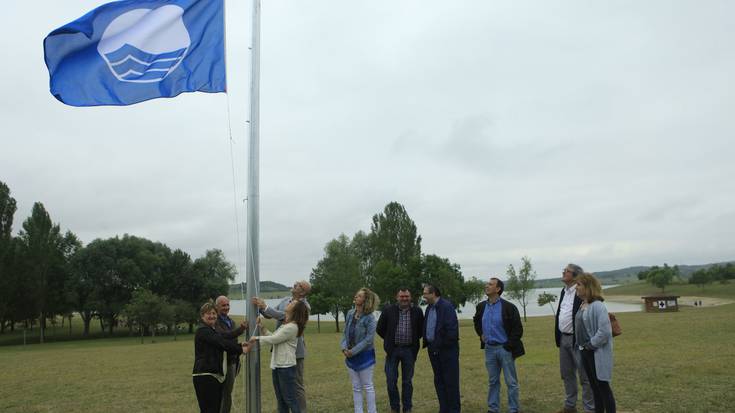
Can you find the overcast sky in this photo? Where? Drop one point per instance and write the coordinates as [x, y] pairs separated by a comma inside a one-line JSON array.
[[600, 133]]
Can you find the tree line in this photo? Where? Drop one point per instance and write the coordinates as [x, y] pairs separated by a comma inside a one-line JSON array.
[[46, 273], [386, 258], [665, 275], [715, 273]]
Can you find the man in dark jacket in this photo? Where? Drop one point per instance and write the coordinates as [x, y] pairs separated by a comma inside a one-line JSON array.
[[400, 325], [227, 328], [570, 363], [441, 339], [499, 326]]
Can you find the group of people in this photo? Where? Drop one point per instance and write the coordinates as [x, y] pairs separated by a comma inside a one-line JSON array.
[[217, 335], [582, 332]]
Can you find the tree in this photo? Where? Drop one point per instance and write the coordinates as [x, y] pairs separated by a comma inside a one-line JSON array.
[[147, 310], [7, 256], [114, 268], [43, 249], [391, 253], [701, 278], [216, 273], [337, 276], [114, 275], [182, 312], [474, 289], [521, 283], [447, 276], [58, 299], [320, 304], [80, 285], [722, 273], [660, 276], [547, 298], [394, 237]]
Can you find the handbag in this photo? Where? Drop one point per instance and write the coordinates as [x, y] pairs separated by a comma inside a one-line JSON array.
[[615, 325]]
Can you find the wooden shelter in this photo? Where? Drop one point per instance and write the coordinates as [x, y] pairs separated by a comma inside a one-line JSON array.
[[661, 303]]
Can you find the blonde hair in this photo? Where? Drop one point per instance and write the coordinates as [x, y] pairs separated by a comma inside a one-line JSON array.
[[372, 301], [591, 285]]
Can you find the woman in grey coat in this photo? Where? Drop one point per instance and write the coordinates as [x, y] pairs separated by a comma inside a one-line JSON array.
[[594, 335]]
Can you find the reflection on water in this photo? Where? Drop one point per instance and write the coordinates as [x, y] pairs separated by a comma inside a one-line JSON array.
[[237, 307]]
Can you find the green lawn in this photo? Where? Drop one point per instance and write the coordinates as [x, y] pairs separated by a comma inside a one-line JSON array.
[[717, 290], [671, 362]]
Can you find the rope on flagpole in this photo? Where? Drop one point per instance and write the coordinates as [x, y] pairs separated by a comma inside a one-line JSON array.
[[240, 256]]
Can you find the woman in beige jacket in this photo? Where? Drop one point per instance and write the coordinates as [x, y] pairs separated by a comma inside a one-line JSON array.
[[283, 356]]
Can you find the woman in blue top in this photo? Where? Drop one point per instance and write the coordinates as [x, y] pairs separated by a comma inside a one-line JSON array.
[[593, 334], [357, 347]]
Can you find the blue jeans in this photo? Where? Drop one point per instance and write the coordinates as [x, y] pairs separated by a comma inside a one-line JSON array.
[[496, 359], [403, 355], [445, 364], [284, 384]]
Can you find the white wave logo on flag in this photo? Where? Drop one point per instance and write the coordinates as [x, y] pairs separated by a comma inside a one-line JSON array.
[[145, 45]]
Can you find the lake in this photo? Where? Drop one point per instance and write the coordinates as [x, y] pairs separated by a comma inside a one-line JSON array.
[[237, 307]]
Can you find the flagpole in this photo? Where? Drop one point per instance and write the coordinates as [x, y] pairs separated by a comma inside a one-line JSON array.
[[252, 399]]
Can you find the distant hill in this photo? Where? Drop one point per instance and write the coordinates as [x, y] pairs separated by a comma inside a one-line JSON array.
[[626, 275], [265, 287]]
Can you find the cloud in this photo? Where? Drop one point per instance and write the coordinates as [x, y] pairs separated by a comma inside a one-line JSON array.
[[564, 132]]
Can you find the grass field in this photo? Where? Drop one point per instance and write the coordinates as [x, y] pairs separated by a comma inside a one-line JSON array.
[[672, 362], [716, 289]]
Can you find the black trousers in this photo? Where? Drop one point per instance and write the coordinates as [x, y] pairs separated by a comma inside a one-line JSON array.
[[601, 390], [209, 393], [445, 364]]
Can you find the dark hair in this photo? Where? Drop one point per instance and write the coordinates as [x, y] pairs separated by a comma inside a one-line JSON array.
[[403, 288], [575, 269], [300, 315], [499, 283], [433, 289]]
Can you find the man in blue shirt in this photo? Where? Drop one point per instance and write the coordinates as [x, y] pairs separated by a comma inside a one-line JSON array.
[[498, 323], [441, 338]]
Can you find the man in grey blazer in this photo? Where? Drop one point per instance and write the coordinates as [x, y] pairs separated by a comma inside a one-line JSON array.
[[299, 291]]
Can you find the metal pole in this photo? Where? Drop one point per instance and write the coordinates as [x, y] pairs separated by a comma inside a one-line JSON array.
[[253, 240]]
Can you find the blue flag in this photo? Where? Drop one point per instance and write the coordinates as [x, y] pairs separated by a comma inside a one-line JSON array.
[[133, 50]]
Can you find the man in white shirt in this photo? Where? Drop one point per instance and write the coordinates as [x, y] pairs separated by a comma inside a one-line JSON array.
[[570, 363]]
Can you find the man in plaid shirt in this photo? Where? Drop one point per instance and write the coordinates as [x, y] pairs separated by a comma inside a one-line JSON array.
[[400, 325]]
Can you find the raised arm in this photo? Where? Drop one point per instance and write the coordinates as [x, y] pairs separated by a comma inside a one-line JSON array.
[[236, 332], [214, 338], [286, 332]]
